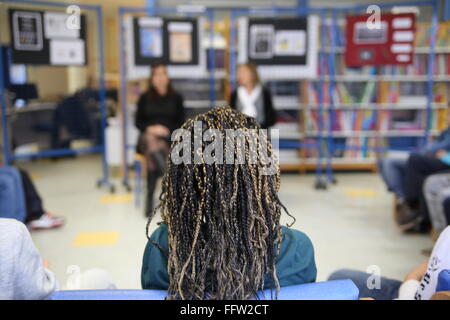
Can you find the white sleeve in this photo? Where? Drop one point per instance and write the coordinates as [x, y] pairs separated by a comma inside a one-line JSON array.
[[438, 261], [32, 281], [408, 290]]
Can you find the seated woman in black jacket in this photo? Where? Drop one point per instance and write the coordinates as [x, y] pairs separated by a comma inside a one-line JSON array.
[[159, 111], [251, 98]]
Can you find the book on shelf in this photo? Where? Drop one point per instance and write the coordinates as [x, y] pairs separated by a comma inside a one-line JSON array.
[[371, 106], [423, 35]]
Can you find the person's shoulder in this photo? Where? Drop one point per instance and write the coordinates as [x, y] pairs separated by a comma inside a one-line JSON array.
[[12, 225], [162, 228], [142, 98], [13, 233], [157, 240], [445, 235], [176, 95], [297, 236], [160, 234]]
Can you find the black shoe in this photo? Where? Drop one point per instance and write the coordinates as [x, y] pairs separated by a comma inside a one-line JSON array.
[[408, 218]]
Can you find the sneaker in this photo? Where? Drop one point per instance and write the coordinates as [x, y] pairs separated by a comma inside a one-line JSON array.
[[407, 218], [46, 221]]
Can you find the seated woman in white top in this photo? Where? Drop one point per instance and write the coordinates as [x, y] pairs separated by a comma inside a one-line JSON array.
[[252, 98]]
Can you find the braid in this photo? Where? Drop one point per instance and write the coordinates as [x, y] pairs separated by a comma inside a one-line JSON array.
[[223, 219]]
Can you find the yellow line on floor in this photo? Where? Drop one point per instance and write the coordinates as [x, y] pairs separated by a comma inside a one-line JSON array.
[[360, 193], [103, 238], [116, 198]]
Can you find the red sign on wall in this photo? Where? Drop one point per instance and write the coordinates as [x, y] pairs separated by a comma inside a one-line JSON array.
[[391, 41]]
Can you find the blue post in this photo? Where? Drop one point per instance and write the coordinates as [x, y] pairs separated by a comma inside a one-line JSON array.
[[233, 51], [434, 21], [320, 183], [3, 106], [123, 99], [212, 61], [302, 7], [331, 57], [446, 10], [151, 7], [102, 98]]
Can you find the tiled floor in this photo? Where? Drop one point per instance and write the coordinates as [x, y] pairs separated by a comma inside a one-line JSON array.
[[350, 224]]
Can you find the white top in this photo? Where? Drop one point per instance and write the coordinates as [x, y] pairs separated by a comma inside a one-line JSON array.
[[248, 100], [439, 260], [22, 274]]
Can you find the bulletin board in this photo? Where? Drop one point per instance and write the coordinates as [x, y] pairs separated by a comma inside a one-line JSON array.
[[174, 42], [391, 42], [44, 38], [281, 47], [277, 41], [168, 41]]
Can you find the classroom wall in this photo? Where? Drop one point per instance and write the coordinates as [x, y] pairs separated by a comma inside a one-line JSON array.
[[54, 81]]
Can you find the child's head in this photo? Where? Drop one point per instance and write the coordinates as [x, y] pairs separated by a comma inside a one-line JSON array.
[[247, 75], [223, 218]]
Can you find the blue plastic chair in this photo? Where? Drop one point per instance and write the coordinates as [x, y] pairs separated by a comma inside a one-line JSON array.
[[443, 281], [329, 290], [12, 198]]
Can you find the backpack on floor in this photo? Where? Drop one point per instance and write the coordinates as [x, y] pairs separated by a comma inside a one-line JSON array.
[[12, 200]]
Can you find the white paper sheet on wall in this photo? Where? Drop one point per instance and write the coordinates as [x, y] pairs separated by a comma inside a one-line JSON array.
[[290, 43], [55, 26], [67, 52]]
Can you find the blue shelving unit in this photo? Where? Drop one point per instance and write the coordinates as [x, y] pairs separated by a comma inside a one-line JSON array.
[[8, 155]]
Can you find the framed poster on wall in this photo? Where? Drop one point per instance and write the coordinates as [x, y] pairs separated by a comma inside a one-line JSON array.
[[278, 41], [281, 47], [168, 41], [148, 40], [174, 42], [44, 38], [391, 42]]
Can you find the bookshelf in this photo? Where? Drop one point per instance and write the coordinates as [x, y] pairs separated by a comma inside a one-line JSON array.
[[373, 106]]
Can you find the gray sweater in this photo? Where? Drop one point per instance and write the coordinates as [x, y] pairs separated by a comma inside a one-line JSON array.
[[22, 275]]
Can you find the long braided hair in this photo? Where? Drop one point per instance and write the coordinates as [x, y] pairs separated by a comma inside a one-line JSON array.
[[223, 221]]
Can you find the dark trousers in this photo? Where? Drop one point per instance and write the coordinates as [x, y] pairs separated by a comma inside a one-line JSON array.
[[33, 201], [418, 168], [388, 289], [447, 210]]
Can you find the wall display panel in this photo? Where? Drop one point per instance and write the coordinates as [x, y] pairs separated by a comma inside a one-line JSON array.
[[281, 47], [390, 42], [175, 42], [47, 38], [148, 40]]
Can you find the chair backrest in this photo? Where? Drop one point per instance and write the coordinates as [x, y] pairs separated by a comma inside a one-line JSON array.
[[443, 286], [12, 198], [443, 281], [329, 290]]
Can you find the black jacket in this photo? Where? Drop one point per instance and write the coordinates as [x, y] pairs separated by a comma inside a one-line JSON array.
[[269, 111], [167, 111]]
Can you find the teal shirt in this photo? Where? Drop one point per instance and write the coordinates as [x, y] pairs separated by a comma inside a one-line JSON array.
[[295, 263]]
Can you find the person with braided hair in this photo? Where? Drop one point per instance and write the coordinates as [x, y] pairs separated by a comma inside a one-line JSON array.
[[220, 235]]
